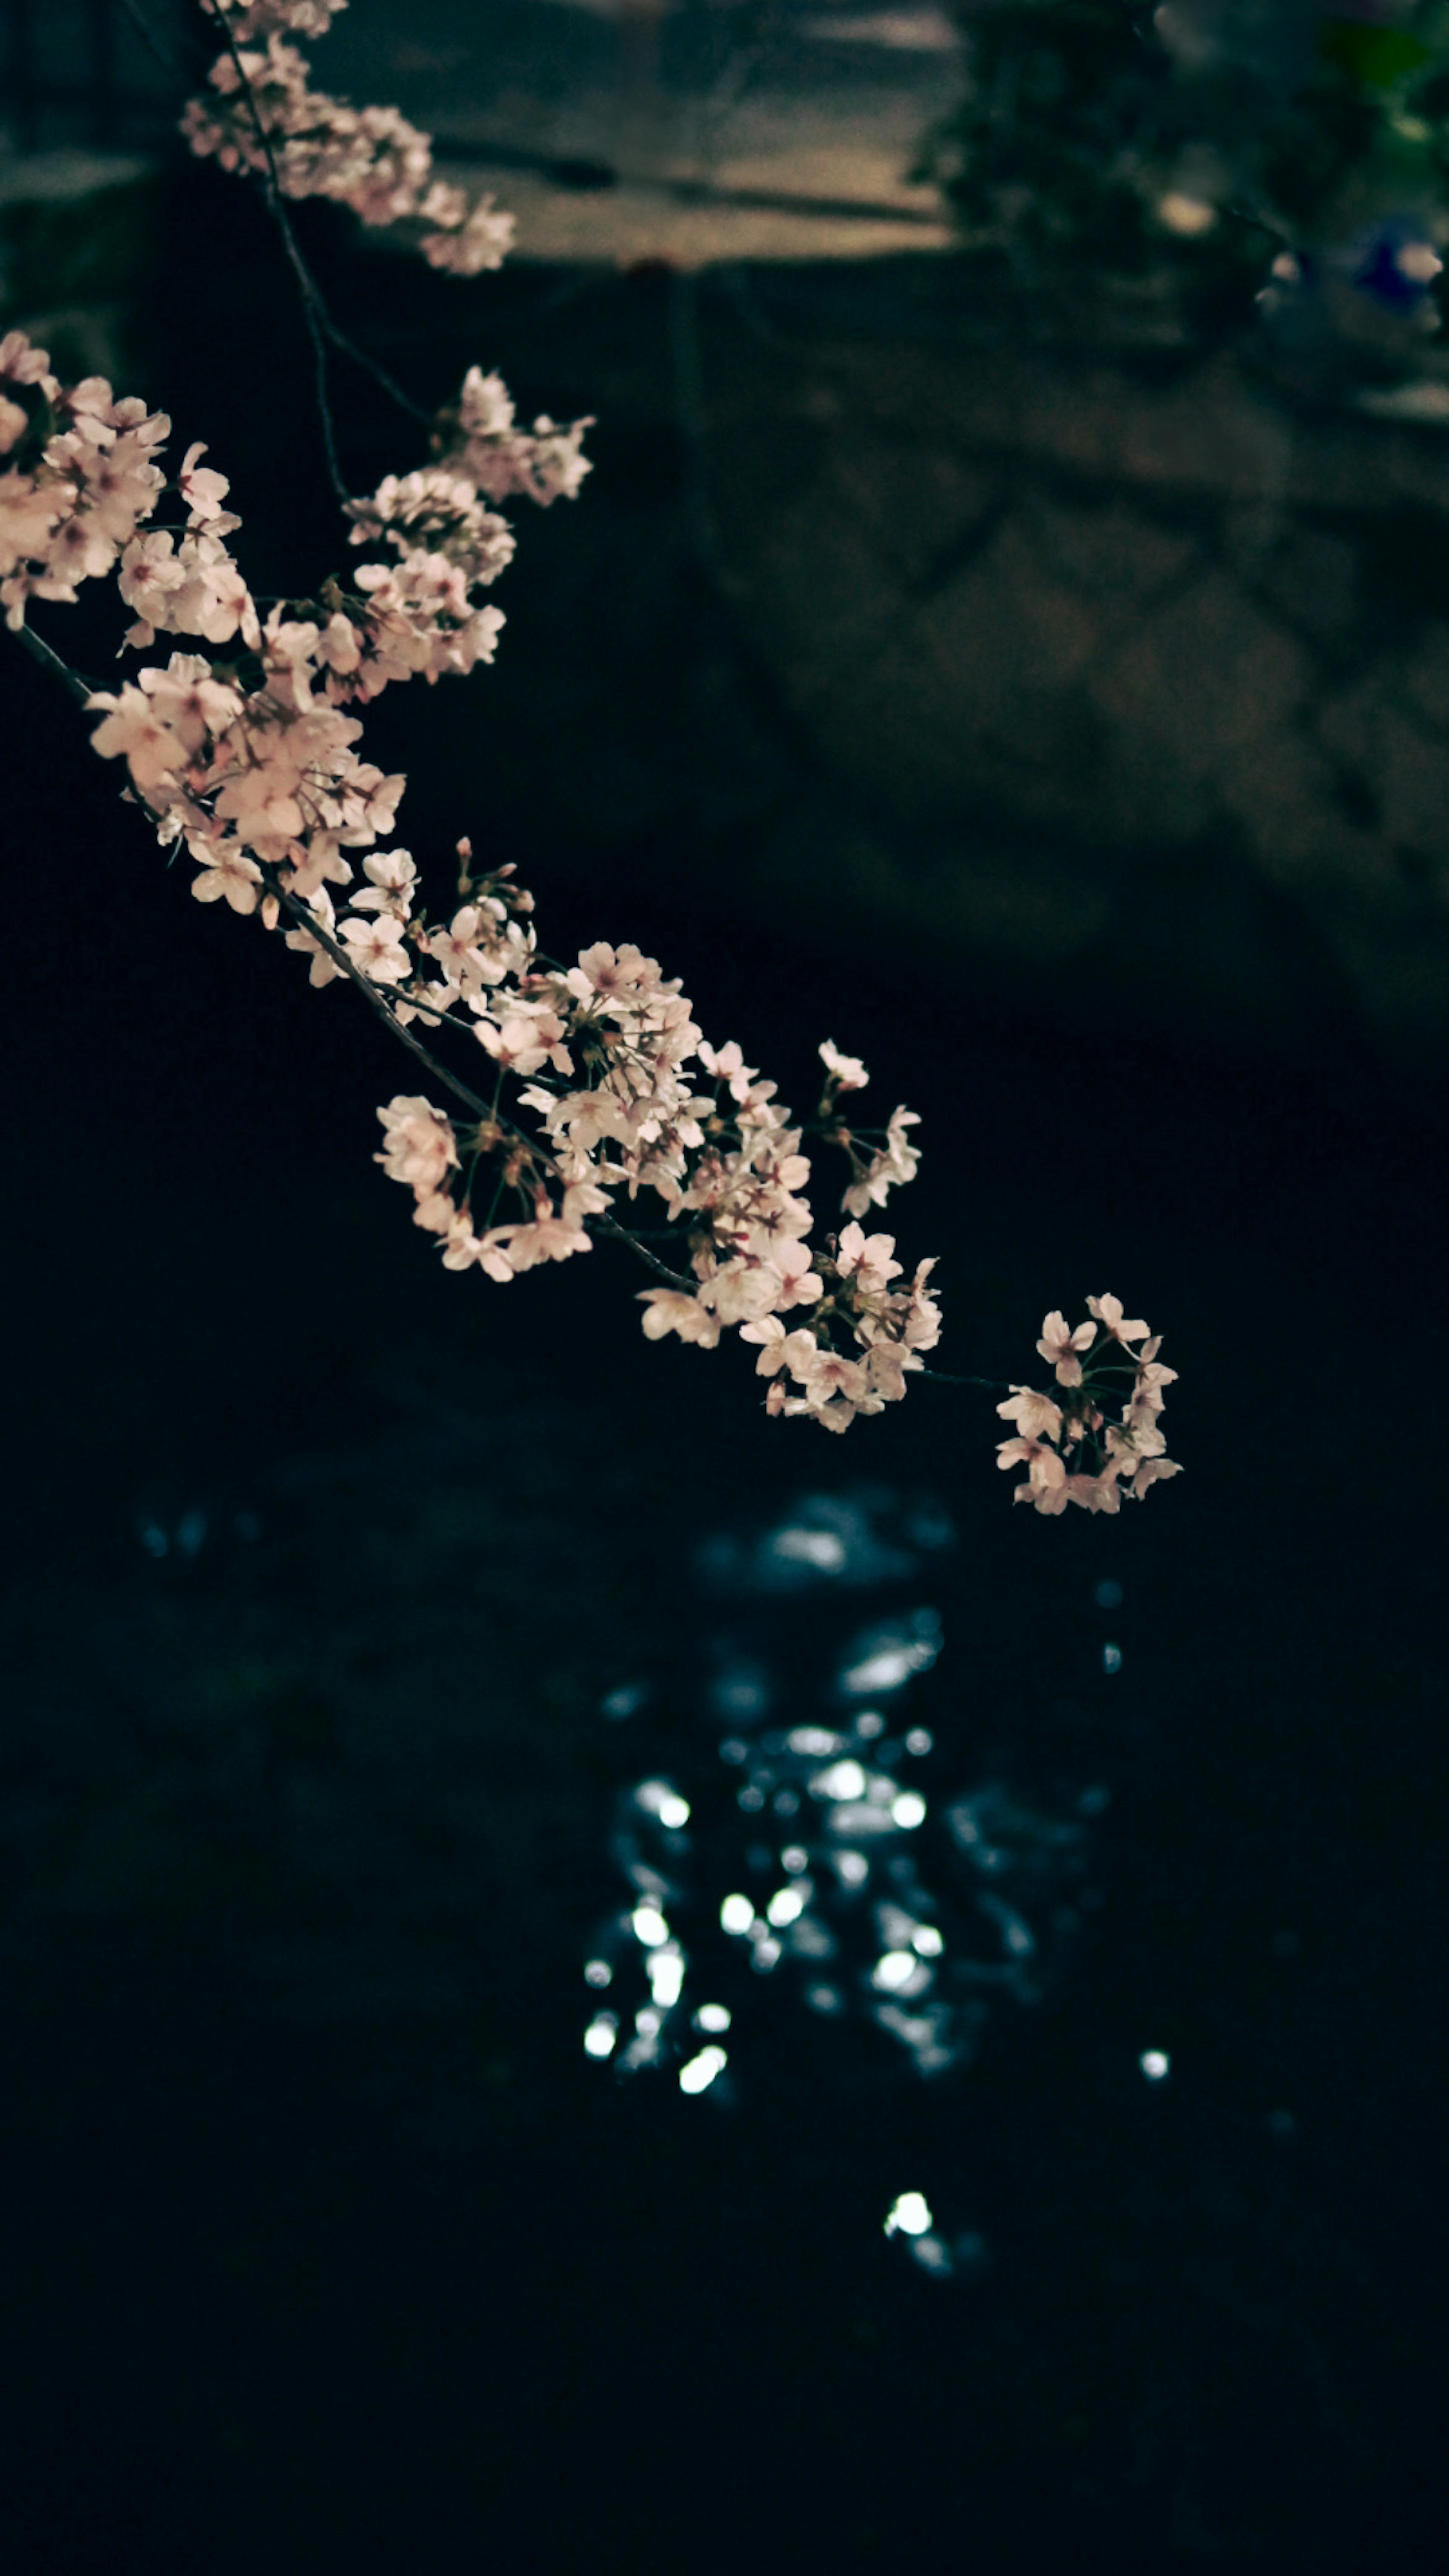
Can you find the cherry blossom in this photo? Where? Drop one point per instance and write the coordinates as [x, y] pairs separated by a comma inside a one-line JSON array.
[[1108, 1456], [1108, 1311], [843, 1072], [1062, 1347], [1035, 1415]]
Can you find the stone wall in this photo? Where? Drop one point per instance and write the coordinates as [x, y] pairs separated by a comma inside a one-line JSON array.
[[1118, 671]]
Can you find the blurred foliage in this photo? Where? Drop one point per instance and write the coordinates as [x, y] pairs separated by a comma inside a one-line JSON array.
[[1192, 157]]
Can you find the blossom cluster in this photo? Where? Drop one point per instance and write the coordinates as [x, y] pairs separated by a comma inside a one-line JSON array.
[[83, 477], [482, 442], [629, 1096], [262, 116], [244, 755], [73, 507], [251, 764], [1073, 1448]]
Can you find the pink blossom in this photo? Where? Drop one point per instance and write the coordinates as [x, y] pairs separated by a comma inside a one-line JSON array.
[[1108, 1311], [1149, 1473], [231, 875], [20, 364], [846, 1072], [394, 878], [669, 1310], [377, 948], [322, 969], [1061, 1347], [866, 1260], [779, 1348], [201, 489], [1045, 1472], [419, 1146], [1095, 1493], [1035, 1416]]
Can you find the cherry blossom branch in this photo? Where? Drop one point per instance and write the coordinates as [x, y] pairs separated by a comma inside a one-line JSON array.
[[79, 689], [247, 760], [377, 1001]]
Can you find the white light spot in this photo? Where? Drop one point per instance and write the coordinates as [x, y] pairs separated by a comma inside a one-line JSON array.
[[892, 1659], [751, 1799], [658, 1799], [908, 1810], [814, 1740], [666, 1976], [910, 2213], [1111, 1659], [794, 1859], [822, 1999], [842, 1780], [763, 1954], [649, 1926], [933, 2256], [870, 1723], [599, 1973], [920, 1740], [702, 2070], [926, 1941], [732, 1750], [892, 1969], [1155, 2064], [648, 2023], [626, 1701], [853, 1868], [820, 1548], [601, 2034], [736, 1914], [785, 1904], [712, 2017]]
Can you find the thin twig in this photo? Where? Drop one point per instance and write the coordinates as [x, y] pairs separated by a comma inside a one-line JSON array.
[[314, 303], [942, 1378], [81, 690], [153, 43], [611, 1225], [310, 294]]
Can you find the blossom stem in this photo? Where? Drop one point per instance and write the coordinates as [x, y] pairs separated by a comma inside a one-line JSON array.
[[306, 284], [50, 661], [943, 1378]]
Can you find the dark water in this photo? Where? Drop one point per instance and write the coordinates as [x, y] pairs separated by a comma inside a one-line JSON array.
[[327, 2244]]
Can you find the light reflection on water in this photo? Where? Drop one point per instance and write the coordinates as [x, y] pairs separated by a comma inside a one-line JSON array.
[[831, 1848]]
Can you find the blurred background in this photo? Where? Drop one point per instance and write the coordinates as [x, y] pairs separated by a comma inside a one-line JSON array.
[[1005, 631]]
